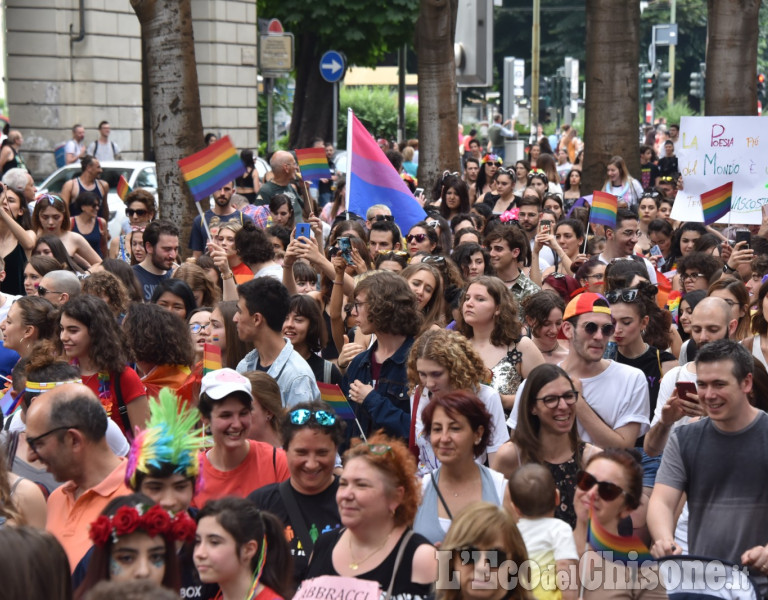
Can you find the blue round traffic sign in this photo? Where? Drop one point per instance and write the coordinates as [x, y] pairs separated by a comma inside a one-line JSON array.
[[332, 66]]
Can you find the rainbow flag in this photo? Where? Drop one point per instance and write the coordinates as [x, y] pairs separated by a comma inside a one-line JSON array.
[[211, 358], [603, 541], [123, 189], [9, 404], [332, 395], [373, 180], [208, 170], [313, 164], [716, 203], [604, 209]]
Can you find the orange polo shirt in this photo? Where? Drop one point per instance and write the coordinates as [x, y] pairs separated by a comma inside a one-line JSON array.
[[69, 519]]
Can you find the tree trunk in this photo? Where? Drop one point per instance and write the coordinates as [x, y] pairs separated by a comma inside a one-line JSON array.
[[313, 101], [731, 82], [438, 110], [611, 107], [177, 126]]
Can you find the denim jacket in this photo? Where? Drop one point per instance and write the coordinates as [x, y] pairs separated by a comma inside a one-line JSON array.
[[388, 405]]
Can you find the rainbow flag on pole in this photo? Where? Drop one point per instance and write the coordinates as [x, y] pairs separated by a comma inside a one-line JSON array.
[[123, 189], [333, 396], [211, 358], [313, 164], [373, 180], [624, 549], [604, 209], [208, 170], [716, 203]]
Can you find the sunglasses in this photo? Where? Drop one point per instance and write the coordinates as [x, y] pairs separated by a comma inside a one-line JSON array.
[[505, 171], [41, 291], [139, 212], [552, 401], [591, 328], [614, 296], [691, 276], [419, 237], [435, 260], [606, 490], [302, 416], [471, 555], [383, 218]]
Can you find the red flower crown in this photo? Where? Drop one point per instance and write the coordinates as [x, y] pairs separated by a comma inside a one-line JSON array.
[[155, 521]]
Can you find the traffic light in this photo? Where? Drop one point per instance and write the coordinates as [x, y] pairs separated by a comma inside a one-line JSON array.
[[697, 83], [663, 83], [760, 86], [545, 88], [647, 86]]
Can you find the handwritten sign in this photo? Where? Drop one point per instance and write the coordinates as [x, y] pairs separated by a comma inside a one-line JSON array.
[[330, 587], [712, 151]]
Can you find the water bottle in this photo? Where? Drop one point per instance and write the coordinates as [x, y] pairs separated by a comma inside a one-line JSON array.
[[611, 350]]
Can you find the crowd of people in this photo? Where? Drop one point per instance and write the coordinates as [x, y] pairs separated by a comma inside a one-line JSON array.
[[516, 379]]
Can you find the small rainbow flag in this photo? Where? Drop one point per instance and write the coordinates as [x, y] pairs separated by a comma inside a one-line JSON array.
[[603, 541], [604, 208], [9, 404], [123, 189], [716, 203], [313, 164], [332, 395], [208, 170], [211, 358]]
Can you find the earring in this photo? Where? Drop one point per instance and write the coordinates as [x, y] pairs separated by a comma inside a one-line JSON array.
[[642, 333]]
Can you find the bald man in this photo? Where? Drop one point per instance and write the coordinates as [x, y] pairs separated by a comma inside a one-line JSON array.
[[284, 170], [66, 432], [59, 287]]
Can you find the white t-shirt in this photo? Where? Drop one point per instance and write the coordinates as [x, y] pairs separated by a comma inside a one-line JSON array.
[[648, 266], [73, 147], [428, 461], [108, 151], [666, 387], [548, 540], [9, 300], [619, 396], [546, 257], [274, 271]]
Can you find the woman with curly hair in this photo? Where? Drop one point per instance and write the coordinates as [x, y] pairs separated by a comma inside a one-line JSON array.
[[444, 361], [92, 340], [376, 379], [205, 293], [377, 520], [162, 346], [473, 260], [489, 320], [427, 284], [109, 288], [125, 274], [134, 538]]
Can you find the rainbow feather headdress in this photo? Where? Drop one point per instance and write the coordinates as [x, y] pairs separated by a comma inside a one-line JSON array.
[[171, 438]]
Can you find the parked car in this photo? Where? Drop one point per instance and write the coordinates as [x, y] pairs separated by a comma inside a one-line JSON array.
[[139, 174]]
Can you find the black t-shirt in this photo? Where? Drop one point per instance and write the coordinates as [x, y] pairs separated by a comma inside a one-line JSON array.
[[320, 512], [317, 364], [149, 281]]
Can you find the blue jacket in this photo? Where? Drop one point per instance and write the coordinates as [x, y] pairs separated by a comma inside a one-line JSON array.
[[388, 406]]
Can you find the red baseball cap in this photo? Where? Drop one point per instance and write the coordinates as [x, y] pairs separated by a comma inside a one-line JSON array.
[[588, 302]]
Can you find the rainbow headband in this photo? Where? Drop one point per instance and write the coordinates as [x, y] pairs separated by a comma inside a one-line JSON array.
[[46, 386]]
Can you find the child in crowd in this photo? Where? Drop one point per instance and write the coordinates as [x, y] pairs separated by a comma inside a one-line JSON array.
[[549, 541]]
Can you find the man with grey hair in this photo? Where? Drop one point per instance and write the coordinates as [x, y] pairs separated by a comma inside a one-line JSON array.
[[59, 287], [21, 182], [284, 170]]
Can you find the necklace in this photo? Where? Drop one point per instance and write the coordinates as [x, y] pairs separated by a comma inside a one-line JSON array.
[[355, 564], [513, 279], [552, 351]]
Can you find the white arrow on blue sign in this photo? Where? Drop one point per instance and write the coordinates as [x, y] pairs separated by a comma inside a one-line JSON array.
[[332, 66]]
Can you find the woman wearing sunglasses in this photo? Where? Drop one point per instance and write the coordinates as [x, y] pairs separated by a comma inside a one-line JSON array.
[[482, 538], [306, 502], [377, 499], [423, 237], [485, 178], [547, 434], [140, 210]]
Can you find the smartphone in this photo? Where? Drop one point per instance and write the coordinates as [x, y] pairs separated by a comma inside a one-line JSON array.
[[684, 388], [345, 247], [545, 227], [418, 192], [743, 235], [303, 230], [656, 251]]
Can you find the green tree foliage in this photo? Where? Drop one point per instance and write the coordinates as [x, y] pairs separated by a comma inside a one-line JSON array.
[[377, 110]]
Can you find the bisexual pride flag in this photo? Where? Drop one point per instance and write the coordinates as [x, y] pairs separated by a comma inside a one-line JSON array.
[[373, 180], [208, 170], [313, 164], [717, 203], [604, 209]]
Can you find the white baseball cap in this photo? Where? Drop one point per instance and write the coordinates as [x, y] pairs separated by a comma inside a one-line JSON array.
[[221, 383]]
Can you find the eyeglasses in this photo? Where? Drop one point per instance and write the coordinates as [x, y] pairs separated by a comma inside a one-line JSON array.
[[357, 305], [629, 295], [41, 291], [471, 555], [302, 416], [552, 401], [198, 327], [378, 218], [139, 212], [691, 276], [591, 328], [606, 490], [32, 442], [419, 237]]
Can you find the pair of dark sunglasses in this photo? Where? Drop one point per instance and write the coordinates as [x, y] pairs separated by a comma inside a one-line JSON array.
[[590, 328], [140, 212], [606, 490], [628, 295], [419, 237]]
